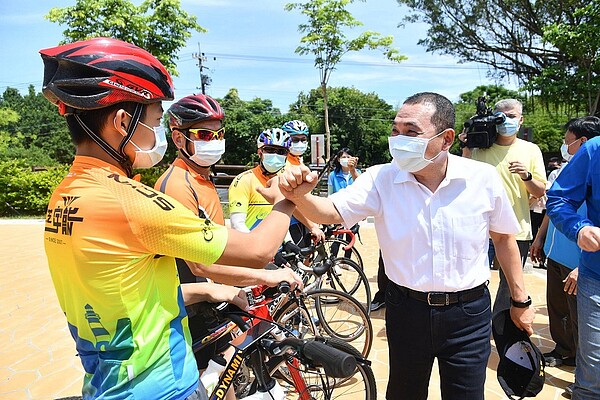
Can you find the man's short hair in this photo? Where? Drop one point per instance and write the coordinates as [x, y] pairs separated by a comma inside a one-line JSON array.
[[444, 116], [584, 126], [95, 120], [507, 104]]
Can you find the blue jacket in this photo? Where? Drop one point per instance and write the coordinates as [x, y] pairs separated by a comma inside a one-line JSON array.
[[337, 180], [578, 183]]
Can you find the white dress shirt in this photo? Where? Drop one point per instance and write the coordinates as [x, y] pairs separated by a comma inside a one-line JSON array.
[[432, 241]]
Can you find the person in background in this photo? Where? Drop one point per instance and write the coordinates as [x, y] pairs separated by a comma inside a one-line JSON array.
[[521, 167], [579, 183], [434, 213], [344, 172], [111, 241], [302, 230], [563, 259]]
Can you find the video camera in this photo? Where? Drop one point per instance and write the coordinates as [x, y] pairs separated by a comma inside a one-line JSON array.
[[481, 128]]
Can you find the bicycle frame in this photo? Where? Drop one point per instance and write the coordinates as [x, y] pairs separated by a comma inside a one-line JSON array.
[[248, 343]]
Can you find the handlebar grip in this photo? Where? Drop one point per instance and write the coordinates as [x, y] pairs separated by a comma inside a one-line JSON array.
[[336, 363], [291, 247], [279, 260], [284, 287]]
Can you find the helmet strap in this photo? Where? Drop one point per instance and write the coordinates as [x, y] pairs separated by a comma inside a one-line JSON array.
[[135, 119], [102, 143]]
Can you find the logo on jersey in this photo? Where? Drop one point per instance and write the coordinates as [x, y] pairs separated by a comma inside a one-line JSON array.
[[62, 217]]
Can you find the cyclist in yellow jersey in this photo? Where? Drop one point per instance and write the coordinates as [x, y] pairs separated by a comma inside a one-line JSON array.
[[111, 241], [247, 206]]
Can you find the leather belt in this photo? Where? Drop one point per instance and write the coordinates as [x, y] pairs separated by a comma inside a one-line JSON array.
[[440, 299]]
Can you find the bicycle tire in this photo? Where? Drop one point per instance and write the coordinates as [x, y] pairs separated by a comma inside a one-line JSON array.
[[347, 276], [353, 252], [360, 385], [329, 313]]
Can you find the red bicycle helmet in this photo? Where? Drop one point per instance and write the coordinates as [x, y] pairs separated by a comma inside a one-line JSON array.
[[194, 108], [99, 72]]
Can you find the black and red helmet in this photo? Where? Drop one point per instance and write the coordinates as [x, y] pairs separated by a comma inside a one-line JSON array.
[[192, 109], [100, 72]]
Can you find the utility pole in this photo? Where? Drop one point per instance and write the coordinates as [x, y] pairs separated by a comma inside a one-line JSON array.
[[205, 80]]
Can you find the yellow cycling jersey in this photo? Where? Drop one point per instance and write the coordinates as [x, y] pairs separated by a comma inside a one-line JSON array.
[[244, 198], [111, 243]]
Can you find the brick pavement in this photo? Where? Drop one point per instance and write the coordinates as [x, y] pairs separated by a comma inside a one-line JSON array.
[[38, 361]]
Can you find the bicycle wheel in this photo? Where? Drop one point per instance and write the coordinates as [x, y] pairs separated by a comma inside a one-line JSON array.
[[360, 385], [329, 313], [348, 277], [335, 247]]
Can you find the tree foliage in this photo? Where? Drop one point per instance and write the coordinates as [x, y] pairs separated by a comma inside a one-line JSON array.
[[244, 121], [158, 26], [578, 79], [33, 130], [359, 121], [325, 38], [548, 45]]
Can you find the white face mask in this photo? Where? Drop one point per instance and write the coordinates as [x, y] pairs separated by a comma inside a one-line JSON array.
[[344, 162], [298, 148], [509, 127], [564, 151], [207, 153], [273, 162], [149, 158], [409, 152]]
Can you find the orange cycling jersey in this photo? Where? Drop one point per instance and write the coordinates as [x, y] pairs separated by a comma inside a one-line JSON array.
[[191, 190], [111, 243]]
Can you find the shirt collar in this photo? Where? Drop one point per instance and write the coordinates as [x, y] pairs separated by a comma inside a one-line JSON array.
[[93, 162]]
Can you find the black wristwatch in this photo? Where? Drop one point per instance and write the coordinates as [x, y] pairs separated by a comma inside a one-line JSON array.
[[521, 304], [528, 178]]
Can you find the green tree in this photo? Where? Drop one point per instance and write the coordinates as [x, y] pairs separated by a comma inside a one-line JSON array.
[[244, 121], [325, 39], [548, 45], [578, 79], [38, 135], [359, 121], [159, 26]]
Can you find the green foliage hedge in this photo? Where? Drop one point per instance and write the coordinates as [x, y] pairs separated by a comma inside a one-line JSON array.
[[26, 192]]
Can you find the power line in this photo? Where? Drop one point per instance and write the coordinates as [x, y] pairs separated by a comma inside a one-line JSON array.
[[289, 60]]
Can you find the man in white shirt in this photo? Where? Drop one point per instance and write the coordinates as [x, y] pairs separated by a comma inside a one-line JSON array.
[[434, 213]]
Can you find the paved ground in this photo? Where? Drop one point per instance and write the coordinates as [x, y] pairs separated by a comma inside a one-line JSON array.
[[38, 361]]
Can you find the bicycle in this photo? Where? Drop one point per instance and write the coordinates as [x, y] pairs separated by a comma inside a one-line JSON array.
[[316, 368], [335, 238], [327, 271]]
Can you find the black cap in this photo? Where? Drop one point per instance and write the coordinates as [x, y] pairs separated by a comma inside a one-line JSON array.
[[521, 367]]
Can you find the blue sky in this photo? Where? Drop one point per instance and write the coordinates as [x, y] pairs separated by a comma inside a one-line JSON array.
[[254, 42]]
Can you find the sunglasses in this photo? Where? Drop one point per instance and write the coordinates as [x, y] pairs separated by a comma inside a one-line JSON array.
[[207, 134], [299, 139], [282, 151]]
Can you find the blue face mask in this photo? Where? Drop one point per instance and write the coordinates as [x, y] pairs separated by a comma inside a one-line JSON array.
[[273, 162], [509, 127]]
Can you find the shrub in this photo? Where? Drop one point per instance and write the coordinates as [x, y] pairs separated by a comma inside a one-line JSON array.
[[27, 192]]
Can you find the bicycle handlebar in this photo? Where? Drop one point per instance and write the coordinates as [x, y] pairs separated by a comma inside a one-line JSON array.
[[336, 363]]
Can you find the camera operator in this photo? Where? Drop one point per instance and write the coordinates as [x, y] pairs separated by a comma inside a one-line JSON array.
[[521, 167]]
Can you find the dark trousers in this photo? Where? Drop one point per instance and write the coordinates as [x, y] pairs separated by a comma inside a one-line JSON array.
[[382, 282], [458, 335], [562, 310], [502, 301]]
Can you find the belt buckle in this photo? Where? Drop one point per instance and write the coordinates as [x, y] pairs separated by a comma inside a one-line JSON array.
[[444, 300]]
